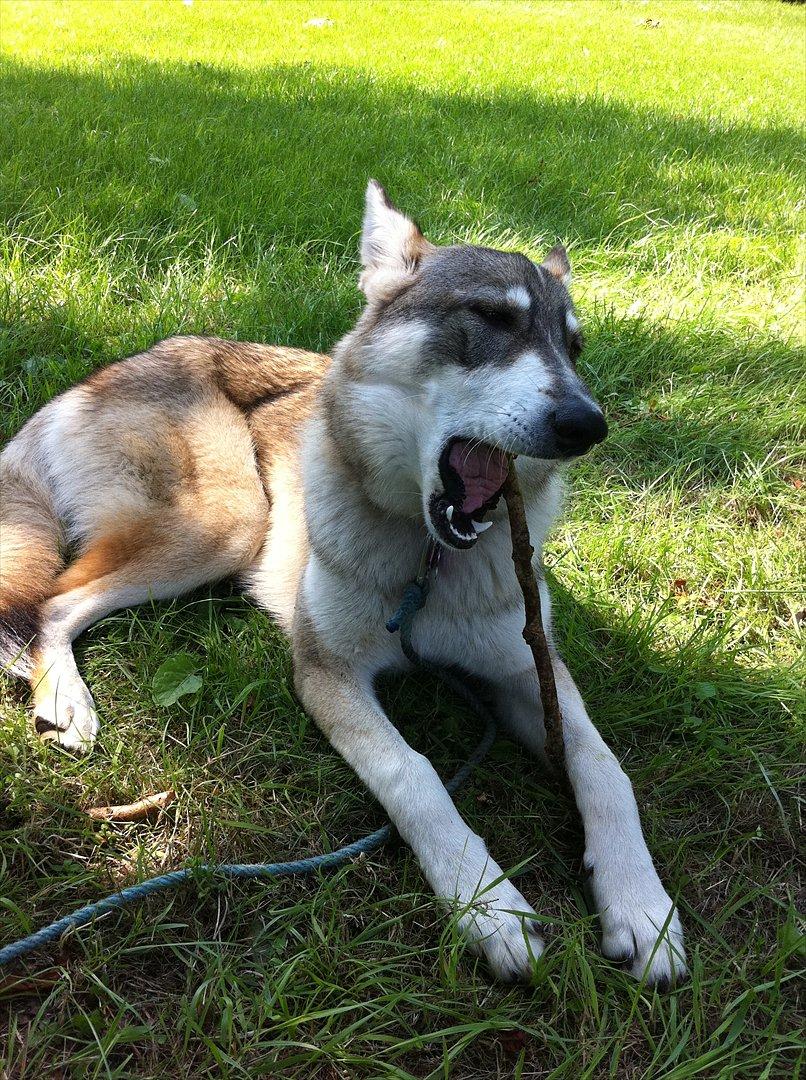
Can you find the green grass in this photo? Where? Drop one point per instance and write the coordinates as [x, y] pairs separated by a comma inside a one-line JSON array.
[[171, 168]]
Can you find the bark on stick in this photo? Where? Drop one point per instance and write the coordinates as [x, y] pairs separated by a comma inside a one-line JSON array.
[[533, 632], [132, 811]]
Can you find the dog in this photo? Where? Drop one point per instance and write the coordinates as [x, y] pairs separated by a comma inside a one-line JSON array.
[[316, 483]]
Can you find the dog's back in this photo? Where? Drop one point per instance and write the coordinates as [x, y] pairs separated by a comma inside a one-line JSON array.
[[156, 472]]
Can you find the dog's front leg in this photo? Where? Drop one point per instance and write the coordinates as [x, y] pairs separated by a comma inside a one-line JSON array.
[[491, 911], [633, 906]]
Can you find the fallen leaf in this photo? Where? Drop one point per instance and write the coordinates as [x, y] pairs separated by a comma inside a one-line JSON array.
[[704, 690], [175, 678], [512, 1042]]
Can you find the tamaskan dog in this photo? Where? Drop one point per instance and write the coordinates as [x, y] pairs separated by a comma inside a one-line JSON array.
[[316, 483]]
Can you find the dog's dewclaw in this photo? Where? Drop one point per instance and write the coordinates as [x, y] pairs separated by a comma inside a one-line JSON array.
[[133, 811]]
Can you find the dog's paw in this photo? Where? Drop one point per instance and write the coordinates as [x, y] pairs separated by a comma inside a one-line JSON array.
[[67, 717], [500, 925], [640, 926]]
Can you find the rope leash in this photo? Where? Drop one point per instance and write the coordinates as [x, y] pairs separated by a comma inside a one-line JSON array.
[[414, 598]]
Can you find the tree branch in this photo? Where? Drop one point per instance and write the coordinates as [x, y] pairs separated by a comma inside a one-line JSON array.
[[533, 632]]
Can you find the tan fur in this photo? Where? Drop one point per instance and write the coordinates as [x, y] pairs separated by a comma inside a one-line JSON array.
[[161, 477], [31, 542], [30, 556], [109, 553]]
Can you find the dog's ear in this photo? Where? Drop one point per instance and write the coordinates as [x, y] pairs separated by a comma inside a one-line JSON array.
[[391, 244], [556, 262]]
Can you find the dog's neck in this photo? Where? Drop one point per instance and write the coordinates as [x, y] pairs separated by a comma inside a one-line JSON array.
[[373, 427]]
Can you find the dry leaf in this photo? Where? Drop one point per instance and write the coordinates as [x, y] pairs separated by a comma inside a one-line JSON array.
[[512, 1042]]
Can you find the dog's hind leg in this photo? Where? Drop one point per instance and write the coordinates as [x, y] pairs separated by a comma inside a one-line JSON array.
[[155, 485], [145, 560]]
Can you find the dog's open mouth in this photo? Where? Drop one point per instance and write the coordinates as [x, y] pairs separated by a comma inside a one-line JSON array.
[[472, 474]]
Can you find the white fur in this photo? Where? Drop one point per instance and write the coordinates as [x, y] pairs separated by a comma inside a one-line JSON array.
[[395, 350], [391, 245], [526, 378], [383, 229], [62, 700], [278, 568], [519, 297]]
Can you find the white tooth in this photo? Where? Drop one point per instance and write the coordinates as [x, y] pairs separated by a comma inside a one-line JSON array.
[[449, 513], [461, 536], [480, 526]]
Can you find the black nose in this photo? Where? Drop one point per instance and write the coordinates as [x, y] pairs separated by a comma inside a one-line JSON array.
[[578, 425]]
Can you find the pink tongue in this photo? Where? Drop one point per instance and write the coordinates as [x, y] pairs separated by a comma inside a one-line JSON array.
[[483, 470]]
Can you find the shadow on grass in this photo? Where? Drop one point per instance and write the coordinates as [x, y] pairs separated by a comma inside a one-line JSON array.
[[157, 158], [707, 742], [139, 148]]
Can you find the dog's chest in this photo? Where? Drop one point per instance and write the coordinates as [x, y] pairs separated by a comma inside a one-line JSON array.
[[473, 616]]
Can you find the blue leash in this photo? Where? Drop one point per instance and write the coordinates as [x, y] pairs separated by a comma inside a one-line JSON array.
[[414, 598]]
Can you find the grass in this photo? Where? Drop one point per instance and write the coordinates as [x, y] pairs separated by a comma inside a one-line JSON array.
[[199, 168]]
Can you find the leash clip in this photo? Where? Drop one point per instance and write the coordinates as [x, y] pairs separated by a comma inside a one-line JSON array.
[[416, 592]]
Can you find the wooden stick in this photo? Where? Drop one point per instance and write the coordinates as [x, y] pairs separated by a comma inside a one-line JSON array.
[[21, 986], [133, 811], [533, 632]]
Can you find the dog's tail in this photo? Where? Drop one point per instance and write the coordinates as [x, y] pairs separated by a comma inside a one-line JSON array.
[[30, 556]]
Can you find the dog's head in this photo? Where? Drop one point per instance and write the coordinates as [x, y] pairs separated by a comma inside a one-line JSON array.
[[463, 355]]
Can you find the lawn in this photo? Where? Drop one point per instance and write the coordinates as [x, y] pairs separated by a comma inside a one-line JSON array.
[[199, 167]]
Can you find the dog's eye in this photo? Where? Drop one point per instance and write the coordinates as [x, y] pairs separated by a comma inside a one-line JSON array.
[[575, 345], [501, 316]]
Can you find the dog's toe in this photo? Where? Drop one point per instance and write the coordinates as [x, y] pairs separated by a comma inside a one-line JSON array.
[[44, 726], [641, 929], [657, 956], [69, 720], [509, 941]]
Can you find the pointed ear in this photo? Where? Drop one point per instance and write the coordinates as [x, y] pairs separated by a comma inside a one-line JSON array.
[[391, 243], [556, 262]]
